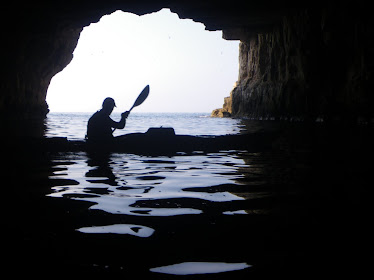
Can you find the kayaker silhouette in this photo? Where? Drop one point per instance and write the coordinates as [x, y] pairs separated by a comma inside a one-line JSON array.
[[100, 126]]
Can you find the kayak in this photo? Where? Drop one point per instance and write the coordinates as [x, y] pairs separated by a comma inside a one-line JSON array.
[[159, 141]]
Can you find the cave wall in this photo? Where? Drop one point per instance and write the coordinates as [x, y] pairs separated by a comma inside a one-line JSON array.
[[317, 64], [38, 57], [295, 61], [39, 39]]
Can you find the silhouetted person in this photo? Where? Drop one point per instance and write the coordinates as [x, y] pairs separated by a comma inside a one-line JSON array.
[[100, 126]]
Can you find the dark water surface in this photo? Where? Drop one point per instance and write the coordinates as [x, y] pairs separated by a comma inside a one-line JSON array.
[[136, 215], [297, 209]]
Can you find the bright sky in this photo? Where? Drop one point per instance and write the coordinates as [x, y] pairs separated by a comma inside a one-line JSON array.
[[188, 68]]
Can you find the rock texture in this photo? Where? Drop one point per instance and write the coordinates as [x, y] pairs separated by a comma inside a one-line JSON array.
[[316, 64], [37, 59], [226, 110], [38, 42], [295, 61]]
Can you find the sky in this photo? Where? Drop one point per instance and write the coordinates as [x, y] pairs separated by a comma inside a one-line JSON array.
[[188, 68]]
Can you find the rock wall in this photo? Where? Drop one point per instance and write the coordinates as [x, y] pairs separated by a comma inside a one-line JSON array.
[[39, 37], [38, 41], [226, 110], [299, 62], [315, 64], [39, 56]]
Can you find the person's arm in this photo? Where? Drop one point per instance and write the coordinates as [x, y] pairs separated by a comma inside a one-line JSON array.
[[121, 124]]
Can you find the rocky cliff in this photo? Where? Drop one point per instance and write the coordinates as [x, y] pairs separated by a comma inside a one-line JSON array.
[[226, 110], [315, 64]]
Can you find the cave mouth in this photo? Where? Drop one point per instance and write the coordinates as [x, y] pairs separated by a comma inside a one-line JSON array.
[[188, 68]]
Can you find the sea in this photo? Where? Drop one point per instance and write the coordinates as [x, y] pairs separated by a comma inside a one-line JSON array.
[[129, 215], [231, 214], [74, 125]]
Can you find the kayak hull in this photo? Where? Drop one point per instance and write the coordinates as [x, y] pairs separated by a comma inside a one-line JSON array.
[[159, 142]]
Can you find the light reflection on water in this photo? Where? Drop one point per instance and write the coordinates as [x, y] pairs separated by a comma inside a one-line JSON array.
[[189, 268], [143, 186], [190, 209], [136, 230]]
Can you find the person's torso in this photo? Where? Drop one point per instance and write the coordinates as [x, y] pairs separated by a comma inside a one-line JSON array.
[[99, 127]]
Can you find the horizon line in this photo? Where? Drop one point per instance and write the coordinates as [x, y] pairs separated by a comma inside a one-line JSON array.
[[91, 112]]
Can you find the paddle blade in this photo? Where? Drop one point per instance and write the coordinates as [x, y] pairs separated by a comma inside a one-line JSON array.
[[142, 96]]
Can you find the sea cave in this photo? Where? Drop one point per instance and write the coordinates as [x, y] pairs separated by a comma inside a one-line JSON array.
[[289, 198]]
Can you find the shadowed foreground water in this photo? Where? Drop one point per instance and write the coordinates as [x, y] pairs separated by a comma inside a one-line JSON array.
[[188, 207], [298, 209]]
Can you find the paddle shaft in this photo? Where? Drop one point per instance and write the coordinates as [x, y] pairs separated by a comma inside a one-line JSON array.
[[132, 108], [141, 98]]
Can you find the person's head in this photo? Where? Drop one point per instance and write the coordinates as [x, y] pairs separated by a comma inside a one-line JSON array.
[[108, 105]]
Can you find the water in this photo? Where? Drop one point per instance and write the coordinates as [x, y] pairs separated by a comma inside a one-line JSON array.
[[142, 186], [231, 214], [185, 213], [191, 211], [189, 268], [74, 125]]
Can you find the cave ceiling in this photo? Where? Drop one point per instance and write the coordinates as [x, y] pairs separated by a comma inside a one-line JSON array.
[[230, 16]]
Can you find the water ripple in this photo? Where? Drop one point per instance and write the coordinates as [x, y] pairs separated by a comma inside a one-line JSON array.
[[188, 268], [142, 186], [136, 230]]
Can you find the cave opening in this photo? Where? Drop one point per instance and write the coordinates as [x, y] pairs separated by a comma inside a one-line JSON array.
[[188, 68]]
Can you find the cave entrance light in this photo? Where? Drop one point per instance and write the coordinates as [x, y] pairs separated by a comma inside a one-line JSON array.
[[188, 68]]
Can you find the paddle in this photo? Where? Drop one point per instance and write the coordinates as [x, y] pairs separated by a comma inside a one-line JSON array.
[[141, 98]]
